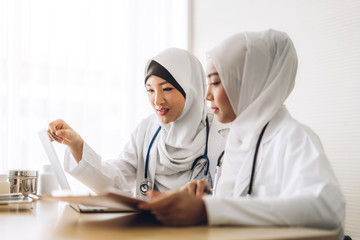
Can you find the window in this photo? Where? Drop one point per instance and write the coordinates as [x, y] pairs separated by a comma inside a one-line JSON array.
[[82, 61]]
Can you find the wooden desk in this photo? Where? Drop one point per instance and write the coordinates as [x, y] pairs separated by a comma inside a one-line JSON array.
[[58, 221]]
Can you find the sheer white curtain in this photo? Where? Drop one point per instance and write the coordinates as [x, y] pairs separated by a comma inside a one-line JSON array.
[[81, 61]]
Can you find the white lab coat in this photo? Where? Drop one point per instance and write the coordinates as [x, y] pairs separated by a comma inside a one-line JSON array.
[[294, 184], [127, 171]]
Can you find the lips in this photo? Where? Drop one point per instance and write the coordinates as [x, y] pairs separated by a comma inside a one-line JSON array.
[[215, 109], [162, 111]]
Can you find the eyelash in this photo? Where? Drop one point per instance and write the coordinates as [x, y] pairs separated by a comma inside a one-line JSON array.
[[215, 83], [165, 90]]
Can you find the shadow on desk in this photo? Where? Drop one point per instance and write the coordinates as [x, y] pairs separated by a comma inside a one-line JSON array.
[[126, 220], [108, 220], [74, 225]]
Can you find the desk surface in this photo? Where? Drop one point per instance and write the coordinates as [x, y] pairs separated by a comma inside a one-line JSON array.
[[58, 221]]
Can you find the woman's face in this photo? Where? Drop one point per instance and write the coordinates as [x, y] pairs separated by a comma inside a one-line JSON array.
[[166, 100], [216, 94]]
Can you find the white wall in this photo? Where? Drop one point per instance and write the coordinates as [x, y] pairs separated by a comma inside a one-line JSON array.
[[326, 34]]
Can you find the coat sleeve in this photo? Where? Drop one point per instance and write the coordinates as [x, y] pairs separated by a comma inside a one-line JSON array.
[[309, 194], [120, 173]]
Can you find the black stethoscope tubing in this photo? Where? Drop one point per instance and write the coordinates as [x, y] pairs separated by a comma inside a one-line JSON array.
[[205, 152], [254, 160], [252, 176], [218, 164]]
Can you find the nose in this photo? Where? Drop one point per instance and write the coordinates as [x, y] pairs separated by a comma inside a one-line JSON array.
[[159, 98], [208, 95]]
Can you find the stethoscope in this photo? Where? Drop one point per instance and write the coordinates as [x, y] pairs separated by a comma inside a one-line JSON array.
[[218, 165], [146, 185]]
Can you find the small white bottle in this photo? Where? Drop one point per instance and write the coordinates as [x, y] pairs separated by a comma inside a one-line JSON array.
[[48, 182], [4, 184]]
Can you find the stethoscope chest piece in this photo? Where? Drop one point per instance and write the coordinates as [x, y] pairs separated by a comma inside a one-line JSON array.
[[145, 186]]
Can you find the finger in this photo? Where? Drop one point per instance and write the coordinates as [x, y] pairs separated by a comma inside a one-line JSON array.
[[200, 190], [183, 188], [66, 135], [192, 186], [148, 205], [50, 135], [143, 206], [202, 185], [53, 137], [56, 125], [203, 188], [189, 187], [164, 201], [153, 194], [52, 127]]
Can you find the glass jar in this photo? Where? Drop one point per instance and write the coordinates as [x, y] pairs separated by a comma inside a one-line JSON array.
[[23, 181]]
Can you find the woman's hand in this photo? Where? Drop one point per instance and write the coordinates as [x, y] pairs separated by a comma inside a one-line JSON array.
[[61, 132], [197, 187], [176, 208]]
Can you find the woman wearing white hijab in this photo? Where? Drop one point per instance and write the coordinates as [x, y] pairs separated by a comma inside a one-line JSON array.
[[250, 75], [175, 82]]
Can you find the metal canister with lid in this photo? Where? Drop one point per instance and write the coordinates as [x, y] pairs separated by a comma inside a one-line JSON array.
[[23, 181]]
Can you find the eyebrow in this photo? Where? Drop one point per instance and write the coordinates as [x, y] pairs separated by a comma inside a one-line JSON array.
[[213, 74], [160, 84]]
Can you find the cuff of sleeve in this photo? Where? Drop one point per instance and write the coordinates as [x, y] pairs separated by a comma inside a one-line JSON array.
[[214, 217], [89, 158], [70, 164]]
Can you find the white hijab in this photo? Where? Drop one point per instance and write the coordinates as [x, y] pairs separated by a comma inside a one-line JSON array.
[[257, 70], [182, 141]]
